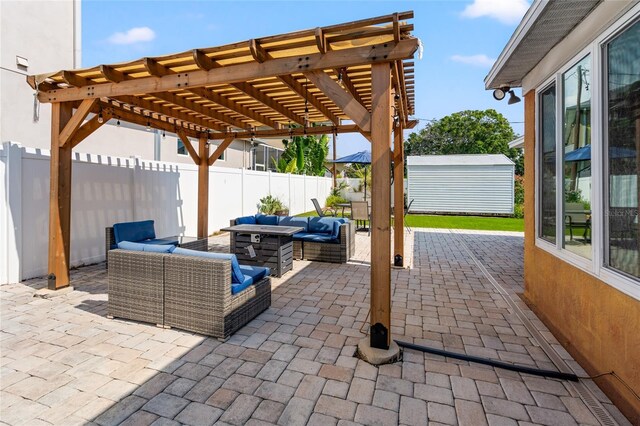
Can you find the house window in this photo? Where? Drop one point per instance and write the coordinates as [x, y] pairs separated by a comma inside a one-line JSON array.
[[182, 150], [576, 160], [622, 152], [547, 207]]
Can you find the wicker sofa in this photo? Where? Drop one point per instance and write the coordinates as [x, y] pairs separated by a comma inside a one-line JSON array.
[[316, 242], [189, 292]]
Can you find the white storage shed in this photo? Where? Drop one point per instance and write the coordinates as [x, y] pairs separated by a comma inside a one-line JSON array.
[[468, 184]]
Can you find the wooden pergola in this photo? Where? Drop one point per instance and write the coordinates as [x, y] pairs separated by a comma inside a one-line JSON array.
[[305, 82]]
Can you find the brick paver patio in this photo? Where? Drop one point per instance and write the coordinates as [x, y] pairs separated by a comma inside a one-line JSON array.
[[64, 362]]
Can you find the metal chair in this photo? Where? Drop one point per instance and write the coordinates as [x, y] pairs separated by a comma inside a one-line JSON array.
[[404, 217], [322, 212], [360, 213]]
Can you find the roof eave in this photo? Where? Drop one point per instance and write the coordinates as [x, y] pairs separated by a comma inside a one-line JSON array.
[[490, 81]]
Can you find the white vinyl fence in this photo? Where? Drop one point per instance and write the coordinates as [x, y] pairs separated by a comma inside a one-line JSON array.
[[106, 190]]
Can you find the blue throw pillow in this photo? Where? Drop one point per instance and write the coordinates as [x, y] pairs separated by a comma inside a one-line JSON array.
[[302, 222], [236, 273], [321, 224], [129, 245], [263, 219], [336, 229], [246, 220]]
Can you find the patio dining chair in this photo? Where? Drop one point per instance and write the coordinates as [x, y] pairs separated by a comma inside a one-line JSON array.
[[327, 211], [360, 213], [404, 217]]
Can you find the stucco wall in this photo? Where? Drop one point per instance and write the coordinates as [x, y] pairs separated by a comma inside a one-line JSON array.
[[43, 33], [597, 324]]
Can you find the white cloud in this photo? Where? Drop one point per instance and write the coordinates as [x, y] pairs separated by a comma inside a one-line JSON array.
[[134, 35], [506, 11], [476, 60]]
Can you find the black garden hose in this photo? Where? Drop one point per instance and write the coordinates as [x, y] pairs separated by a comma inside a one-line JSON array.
[[492, 362]]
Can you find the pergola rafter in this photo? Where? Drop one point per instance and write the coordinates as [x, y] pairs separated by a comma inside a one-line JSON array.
[[317, 79]]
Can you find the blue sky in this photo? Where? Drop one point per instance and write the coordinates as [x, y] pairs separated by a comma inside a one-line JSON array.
[[461, 40]]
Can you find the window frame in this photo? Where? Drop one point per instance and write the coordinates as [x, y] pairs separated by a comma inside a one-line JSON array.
[[178, 142], [597, 266]]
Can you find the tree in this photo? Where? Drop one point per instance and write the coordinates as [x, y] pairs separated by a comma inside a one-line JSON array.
[[304, 155], [466, 132]]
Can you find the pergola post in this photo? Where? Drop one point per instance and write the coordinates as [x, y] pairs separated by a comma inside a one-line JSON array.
[[203, 187], [59, 198], [380, 336], [398, 195], [333, 169]]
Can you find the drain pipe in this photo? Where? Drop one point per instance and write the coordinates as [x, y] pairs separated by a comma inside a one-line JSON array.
[[492, 362]]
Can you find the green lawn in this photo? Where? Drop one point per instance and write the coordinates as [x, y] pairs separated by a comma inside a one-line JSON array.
[[459, 222]]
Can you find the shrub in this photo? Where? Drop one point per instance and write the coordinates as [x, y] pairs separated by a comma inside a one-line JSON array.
[[518, 210], [271, 205], [518, 190], [332, 200], [337, 190]]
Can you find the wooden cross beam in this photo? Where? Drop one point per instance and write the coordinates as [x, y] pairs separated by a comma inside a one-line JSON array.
[[261, 55], [187, 144], [220, 149], [386, 52], [345, 101], [76, 120]]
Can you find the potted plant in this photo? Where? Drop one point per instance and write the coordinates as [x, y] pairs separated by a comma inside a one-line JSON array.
[[272, 205]]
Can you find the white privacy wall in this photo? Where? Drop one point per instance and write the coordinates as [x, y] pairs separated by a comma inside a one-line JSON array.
[[106, 190]]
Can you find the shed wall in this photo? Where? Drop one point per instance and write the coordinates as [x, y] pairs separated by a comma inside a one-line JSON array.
[[485, 189]]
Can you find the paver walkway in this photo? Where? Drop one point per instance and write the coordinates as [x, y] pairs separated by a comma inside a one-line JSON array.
[[64, 362]]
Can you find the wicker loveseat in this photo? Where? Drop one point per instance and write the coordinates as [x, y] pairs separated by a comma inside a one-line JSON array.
[[324, 239], [185, 289]]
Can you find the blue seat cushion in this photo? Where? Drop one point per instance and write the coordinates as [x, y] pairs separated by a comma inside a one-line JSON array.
[[160, 241], [302, 222], [134, 231], [252, 274], [246, 220], [315, 237], [264, 219], [154, 248], [237, 276], [326, 225]]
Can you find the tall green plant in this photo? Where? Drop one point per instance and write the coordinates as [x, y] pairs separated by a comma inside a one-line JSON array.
[[304, 155]]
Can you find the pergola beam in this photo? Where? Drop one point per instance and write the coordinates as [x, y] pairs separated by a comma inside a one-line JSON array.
[[89, 127], [187, 144], [361, 55], [261, 55], [128, 113], [345, 101], [76, 120], [298, 131], [220, 149]]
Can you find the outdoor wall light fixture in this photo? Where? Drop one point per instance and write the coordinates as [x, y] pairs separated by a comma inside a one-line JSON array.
[[500, 93]]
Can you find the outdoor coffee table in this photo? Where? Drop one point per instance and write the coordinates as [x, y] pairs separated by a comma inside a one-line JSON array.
[[264, 245]]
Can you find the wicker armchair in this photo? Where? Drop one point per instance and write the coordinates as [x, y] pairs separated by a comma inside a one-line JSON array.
[[185, 292]]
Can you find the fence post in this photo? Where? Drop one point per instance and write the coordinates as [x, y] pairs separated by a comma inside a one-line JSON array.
[[242, 191], [11, 214], [291, 210]]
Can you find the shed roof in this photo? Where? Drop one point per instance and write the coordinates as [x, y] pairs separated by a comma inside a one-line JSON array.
[[459, 160], [544, 25]]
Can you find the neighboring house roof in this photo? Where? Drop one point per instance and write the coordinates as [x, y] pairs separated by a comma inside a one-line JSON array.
[[544, 25], [459, 160], [517, 143]]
